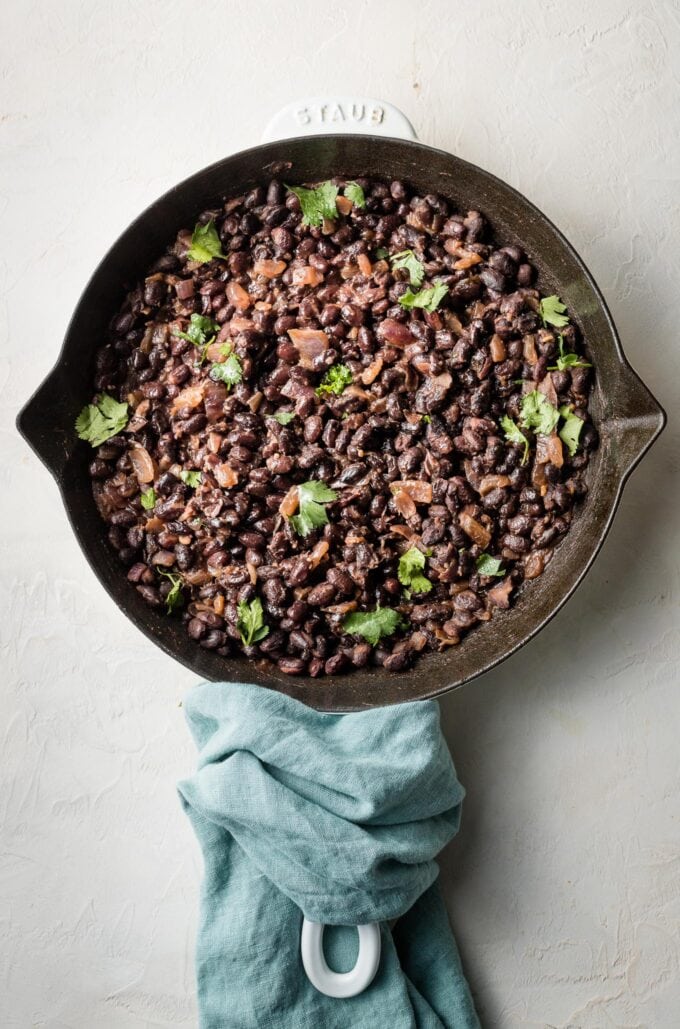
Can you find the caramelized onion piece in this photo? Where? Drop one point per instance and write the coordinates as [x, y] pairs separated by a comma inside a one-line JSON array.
[[404, 504], [472, 528], [225, 475], [417, 489], [237, 296], [290, 502], [490, 482], [142, 464], [310, 344], [549, 450], [270, 269]]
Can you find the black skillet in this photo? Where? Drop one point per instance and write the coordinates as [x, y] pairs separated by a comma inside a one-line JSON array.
[[627, 416]]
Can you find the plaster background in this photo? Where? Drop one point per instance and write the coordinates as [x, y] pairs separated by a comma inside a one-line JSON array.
[[564, 884]]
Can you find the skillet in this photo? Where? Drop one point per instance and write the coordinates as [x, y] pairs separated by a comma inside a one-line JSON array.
[[627, 416]]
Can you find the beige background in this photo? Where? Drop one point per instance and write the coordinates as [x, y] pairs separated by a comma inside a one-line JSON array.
[[564, 885]]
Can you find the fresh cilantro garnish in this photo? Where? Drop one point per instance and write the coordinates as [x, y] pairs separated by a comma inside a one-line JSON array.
[[229, 371], [411, 565], [149, 499], [373, 625], [250, 622], [174, 598], [201, 331], [283, 417], [514, 435], [335, 380], [571, 430], [312, 498], [429, 298], [355, 193], [565, 361], [205, 243], [407, 260], [425, 419], [318, 203], [538, 413], [487, 565], [100, 421], [191, 477], [551, 310], [381, 253]]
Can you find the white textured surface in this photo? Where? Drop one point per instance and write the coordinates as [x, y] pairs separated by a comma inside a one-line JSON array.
[[564, 884]]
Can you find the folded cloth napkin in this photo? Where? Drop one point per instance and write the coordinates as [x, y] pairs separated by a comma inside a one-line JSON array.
[[338, 817]]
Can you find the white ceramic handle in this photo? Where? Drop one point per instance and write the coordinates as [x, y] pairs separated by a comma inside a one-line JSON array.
[[338, 114], [340, 984]]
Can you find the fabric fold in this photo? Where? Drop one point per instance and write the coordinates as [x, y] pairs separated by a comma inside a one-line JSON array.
[[339, 817]]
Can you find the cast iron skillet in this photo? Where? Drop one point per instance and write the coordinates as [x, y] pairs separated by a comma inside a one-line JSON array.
[[627, 416]]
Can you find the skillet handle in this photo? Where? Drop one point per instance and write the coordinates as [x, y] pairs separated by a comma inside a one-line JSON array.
[[338, 114]]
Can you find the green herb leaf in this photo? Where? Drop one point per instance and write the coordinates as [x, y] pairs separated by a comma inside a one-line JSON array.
[[513, 434], [538, 413], [429, 299], [201, 331], [175, 597], [565, 361], [230, 371], [373, 625], [381, 253], [100, 421], [355, 193], [191, 478], [205, 243], [318, 203], [411, 565], [149, 499], [335, 380], [250, 622], [571, 430], [425, 419], [487, 565], [408, 261], [551, 310], [312, 498], [283, 417]]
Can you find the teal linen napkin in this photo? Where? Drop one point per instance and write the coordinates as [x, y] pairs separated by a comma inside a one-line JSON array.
[[339, 817]]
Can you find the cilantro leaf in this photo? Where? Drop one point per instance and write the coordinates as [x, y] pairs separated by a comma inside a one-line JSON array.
[[429, 298], [411, 565], [149, 499], [312, 498], [571, 430], [355, 193], [538, 413], [283, 417], [551, 310], [335, 380], [201, 331], [100, 421], [250, 622], [191, 478], [565, 361], [230, 371], [373, 625], [425, 419], [175, 597], [381, 253], [318, 203], [487, 565], [205, 243], [513, 434], [408, 261]]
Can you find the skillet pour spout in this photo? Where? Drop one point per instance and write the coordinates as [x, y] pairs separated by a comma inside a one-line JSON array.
[[627, 416]]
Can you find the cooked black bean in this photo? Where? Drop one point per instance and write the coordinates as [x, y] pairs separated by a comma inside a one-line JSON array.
[[408, 434]]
